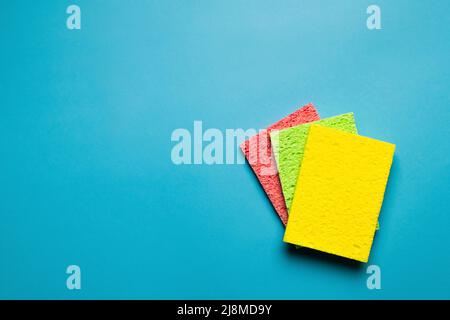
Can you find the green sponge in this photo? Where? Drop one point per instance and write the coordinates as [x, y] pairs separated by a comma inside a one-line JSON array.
[[288, 147]]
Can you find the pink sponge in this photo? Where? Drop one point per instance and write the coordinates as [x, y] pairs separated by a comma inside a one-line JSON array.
[[258, 152]]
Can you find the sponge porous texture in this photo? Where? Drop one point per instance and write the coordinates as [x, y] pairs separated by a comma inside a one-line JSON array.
[[342, 183], [258, 152], [288, 147]]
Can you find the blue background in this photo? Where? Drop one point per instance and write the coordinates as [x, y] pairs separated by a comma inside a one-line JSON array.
[[86, 118]]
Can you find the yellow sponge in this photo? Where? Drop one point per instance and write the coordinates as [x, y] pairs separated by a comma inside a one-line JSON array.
[[343, 178]]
